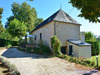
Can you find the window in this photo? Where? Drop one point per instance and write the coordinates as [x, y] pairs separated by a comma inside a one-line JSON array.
[[35, 37], [40, 36]]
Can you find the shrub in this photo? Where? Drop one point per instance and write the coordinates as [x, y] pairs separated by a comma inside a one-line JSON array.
[[4, 42], [5, 63], [12, 68], [44, 48], [1, 59], [9, 46], [56, 44], [14, 73], [62, 56]]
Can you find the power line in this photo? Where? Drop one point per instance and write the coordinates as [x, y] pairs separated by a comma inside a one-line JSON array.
[[71, 10]]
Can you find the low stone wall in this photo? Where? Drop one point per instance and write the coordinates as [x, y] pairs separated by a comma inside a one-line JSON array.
[[30, 46]]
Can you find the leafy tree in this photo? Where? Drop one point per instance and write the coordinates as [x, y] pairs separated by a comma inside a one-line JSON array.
[[17, 28], [8, 21], [98, 38], [90, 9], [90, 36], [38, 21], [25, 13], [5, 35], [1, 26]]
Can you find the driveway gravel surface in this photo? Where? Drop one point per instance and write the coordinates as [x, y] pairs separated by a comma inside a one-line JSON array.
[[34, 64]]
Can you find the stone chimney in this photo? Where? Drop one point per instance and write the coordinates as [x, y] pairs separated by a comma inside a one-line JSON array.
[[82, 37]]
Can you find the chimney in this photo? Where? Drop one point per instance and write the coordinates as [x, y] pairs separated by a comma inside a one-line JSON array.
[[82, 37]]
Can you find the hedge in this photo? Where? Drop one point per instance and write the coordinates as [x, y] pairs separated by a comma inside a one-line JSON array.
[[4, 42], [95, 47]]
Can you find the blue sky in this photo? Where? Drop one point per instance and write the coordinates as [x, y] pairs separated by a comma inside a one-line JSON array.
[[46, 8]]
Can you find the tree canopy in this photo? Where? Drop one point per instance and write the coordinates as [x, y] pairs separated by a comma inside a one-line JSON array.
[[90, 9], [90, 36], [24, 13], [17, 28], [1, 26]]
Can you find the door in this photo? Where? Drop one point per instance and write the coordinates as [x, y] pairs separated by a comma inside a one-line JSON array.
[[63, 50], [70, 50]]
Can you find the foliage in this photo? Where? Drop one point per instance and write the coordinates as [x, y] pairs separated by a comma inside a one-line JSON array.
[[11, 68], [38, 21], [23, 13], [89, 9], [90, 36], [1, 26], [5, 35], [1, 29], [8, 43], [17, 28], [98, 38], [95, 47], [1, 10], [56, 44]]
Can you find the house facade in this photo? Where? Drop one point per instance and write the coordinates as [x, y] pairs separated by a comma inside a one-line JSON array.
[[65, 28]]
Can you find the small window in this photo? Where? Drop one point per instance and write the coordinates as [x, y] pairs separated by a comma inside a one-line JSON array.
[[40, 36], [35, 37]]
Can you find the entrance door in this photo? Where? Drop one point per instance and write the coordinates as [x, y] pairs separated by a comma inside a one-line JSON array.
[[63, 50], [70, 50]]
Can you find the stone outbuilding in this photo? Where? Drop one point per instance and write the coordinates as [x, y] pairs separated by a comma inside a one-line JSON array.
[[68, 32]]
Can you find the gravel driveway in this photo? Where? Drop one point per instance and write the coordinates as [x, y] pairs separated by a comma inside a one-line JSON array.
[[33, 64]]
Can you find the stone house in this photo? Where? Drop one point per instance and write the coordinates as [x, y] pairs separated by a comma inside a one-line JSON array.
[[68, 32]]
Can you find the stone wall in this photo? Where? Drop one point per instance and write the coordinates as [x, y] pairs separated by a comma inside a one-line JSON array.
[[47, 32], [66, 31]]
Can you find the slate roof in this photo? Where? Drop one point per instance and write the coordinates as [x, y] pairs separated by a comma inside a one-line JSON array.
[[61, 16], [78, 42]]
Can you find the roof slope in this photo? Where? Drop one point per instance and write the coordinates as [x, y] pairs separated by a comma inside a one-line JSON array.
[[61, 16], [78, 42]]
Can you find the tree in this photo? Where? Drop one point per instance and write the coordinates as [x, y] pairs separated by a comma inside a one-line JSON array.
[[17, 28], [90, 9], [25, 13], [98, 38], [90, 36], [38, 21], [1, 26]]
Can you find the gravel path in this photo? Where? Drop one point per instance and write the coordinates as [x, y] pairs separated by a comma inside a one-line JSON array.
[[33, 64]]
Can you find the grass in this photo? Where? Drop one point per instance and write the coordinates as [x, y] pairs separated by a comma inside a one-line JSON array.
[[2, 47], [93, 58]]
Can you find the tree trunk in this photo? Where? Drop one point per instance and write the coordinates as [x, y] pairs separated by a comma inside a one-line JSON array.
[[25, 40]]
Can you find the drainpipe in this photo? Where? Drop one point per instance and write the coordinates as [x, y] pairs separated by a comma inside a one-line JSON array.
[[54, 27]]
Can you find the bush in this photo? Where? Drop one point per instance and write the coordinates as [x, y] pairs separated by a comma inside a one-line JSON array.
[[4, 43], [9, 46], [5, 63], [95, 47], [44, 48], [56, 45], [1, 59], [11, 68]]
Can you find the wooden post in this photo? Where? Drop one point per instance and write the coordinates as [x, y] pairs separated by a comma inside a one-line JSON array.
[[97, 60]]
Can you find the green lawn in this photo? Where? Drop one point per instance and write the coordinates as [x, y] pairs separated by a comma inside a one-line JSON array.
[[93, 58]]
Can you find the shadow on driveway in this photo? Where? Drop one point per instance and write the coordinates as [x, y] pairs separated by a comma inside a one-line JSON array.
[[14, 53]]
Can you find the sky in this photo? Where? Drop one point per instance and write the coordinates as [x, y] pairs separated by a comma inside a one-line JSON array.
[[46, 8]]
